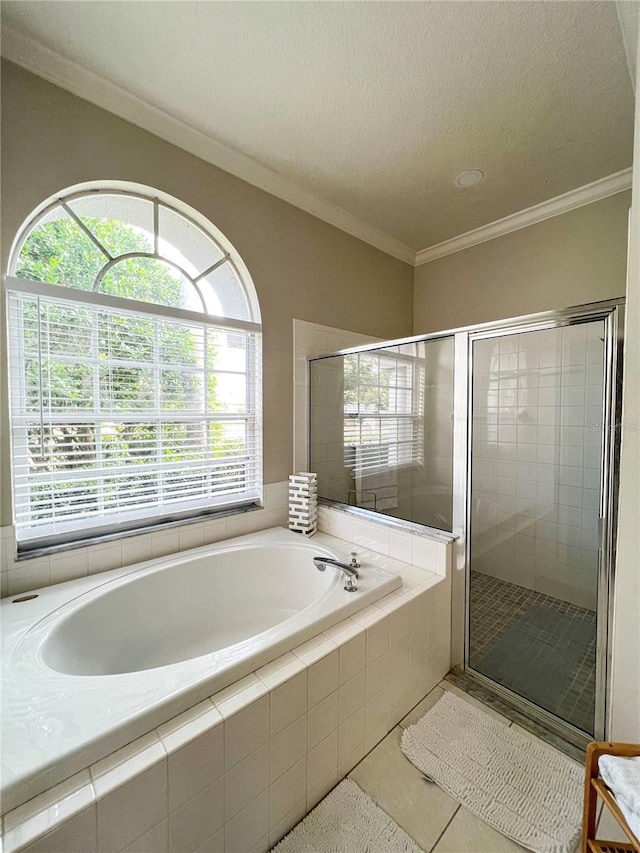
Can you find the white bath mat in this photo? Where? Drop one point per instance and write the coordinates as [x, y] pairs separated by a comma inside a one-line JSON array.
[[347, 821], [524, 789]]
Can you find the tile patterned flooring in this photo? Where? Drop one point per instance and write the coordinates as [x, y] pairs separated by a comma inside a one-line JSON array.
[[500, 608], [436, 822]]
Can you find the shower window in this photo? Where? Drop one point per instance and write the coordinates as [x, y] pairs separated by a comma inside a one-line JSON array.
[[383, 411], [134, 370], [382, 430]]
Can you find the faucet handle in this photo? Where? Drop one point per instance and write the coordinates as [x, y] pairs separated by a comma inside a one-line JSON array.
[[355, 563]]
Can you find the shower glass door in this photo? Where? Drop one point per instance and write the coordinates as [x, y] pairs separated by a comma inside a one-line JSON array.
[[536, 457]]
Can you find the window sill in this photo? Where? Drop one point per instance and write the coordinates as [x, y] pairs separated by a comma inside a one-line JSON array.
[[30, 553]]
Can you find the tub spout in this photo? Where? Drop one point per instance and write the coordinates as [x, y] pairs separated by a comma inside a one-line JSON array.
[[351, 571]]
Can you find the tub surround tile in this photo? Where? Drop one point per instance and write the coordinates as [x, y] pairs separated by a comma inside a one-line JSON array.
[[322, 719], [276, 518], [102, 558], [245, 731], [280, 829], [132, 809], [256, 520], [215, 844], [78, 833], [239, 695], [191, 536], [165, 542], [69, 565], [376, 719], [288, 702], [244, 782], [322, 761], [351, 696], [288, 792], [250, 826], [321, 789], [156, 840], [351, 736], [195, 765], [126, 764], [400, 546], [417, 547], [189, 725], [280, 670], [137, 549], [315, 649], [288, 747], [262, 846], [236, 525], [376, 676], [399, 625], [377, 639], [196, 820], [44, 813], [323, 678], [424, 553], [31, 575], [395, 600], [343, 631], [347, 764], [422, 707], [352, 656]]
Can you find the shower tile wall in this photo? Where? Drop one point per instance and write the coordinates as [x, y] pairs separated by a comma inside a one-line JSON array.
[[537, 431]]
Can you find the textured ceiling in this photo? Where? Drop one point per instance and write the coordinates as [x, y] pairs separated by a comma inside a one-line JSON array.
[[376, 106]]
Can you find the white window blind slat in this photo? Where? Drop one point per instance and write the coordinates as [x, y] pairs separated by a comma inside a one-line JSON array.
[[118, 417], [383, 411]]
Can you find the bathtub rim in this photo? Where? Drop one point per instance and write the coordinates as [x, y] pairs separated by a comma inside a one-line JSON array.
[[19, 786]]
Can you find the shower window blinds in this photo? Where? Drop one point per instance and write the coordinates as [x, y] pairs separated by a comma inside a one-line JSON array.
[[123, 413], [383, 410]]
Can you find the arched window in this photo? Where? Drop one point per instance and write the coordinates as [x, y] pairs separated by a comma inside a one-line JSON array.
[[134, 343]]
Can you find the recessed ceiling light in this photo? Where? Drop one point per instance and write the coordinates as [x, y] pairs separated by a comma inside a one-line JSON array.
[[469, 178]]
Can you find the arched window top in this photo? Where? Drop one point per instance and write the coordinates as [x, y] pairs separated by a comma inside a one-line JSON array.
[[136, 245], [135, 367]]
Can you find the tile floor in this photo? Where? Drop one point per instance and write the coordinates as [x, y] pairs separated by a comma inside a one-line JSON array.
[[436, 822], [535, 625], [432, 818]]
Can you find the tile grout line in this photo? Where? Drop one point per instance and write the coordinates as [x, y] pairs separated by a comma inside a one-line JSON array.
[[439, 838]]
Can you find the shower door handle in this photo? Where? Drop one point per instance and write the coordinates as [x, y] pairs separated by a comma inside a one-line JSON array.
[[602, 532]]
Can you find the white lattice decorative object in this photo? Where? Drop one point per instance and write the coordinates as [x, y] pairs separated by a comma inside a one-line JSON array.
[[303, 503]]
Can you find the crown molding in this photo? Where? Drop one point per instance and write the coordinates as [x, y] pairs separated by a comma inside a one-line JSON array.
[[88, 85], [69, 75], [571, 200]]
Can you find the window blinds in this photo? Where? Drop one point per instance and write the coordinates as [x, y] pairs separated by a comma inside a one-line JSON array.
[[121, 416], [383, 411]]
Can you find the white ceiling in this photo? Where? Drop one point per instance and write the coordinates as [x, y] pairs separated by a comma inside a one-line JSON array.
[[375, 107]]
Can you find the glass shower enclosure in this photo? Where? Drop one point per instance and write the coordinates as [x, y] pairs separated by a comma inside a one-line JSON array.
[[505, 435]]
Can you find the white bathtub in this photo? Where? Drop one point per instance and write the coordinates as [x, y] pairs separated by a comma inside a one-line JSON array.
[[91, 664]]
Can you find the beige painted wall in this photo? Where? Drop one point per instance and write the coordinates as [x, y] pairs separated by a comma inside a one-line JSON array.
[[301, 266], [575, 258]]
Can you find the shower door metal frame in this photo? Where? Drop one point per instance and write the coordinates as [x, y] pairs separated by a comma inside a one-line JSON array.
[[612, 313]]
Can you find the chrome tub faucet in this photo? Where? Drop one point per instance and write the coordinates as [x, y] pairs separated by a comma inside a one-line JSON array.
[[350, 570]]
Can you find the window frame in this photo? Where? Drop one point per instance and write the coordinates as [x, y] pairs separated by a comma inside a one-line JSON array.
[[81, 534]]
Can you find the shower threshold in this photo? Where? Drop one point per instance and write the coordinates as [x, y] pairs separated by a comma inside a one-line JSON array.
[[571, 743]]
